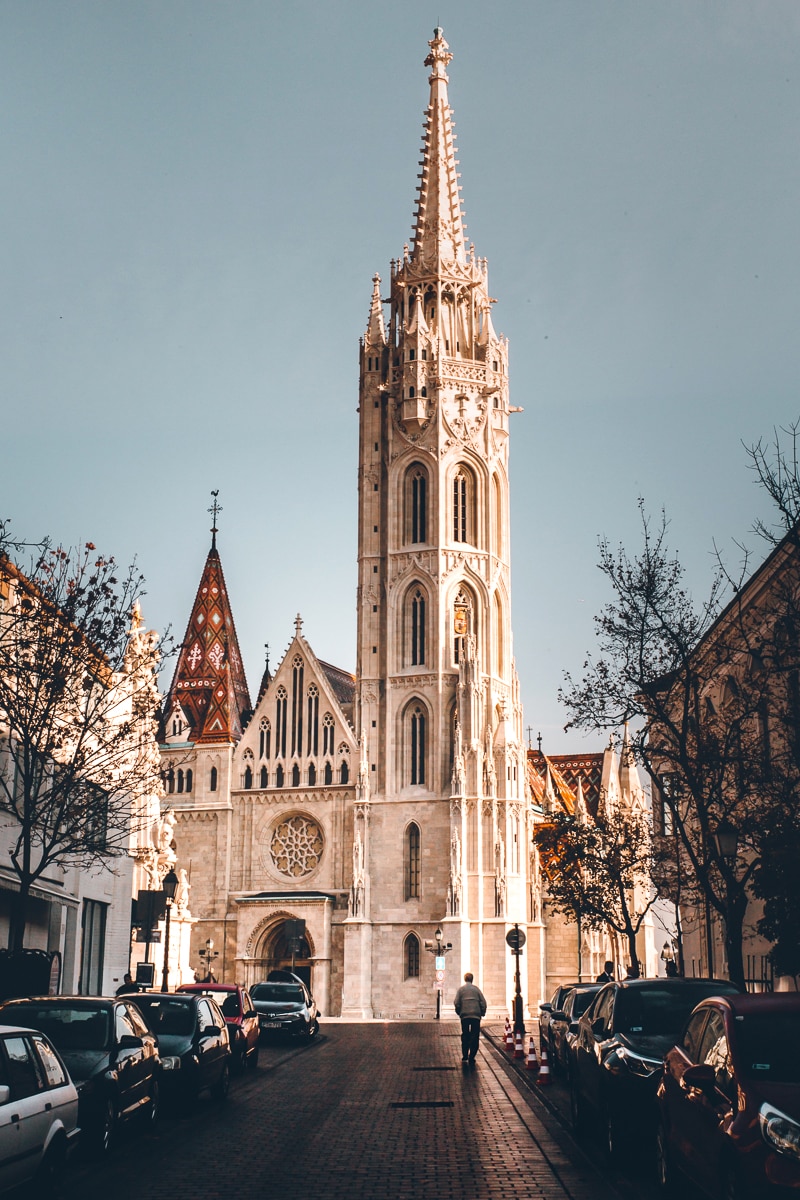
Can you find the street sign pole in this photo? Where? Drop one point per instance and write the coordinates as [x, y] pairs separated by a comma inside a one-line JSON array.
[[516, 940]]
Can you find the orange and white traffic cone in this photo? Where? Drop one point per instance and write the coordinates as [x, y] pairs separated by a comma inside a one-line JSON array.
[[543, 1078], [532, 1062], [518, 1049], [506, 1032], [509, 1039]]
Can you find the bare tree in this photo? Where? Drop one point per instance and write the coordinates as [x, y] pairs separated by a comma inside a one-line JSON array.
[[78, 712]]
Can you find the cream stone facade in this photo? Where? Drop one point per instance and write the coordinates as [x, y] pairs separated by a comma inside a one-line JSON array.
[[379, 806]]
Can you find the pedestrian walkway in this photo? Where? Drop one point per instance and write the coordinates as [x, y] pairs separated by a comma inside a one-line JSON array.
[[372, 1112]]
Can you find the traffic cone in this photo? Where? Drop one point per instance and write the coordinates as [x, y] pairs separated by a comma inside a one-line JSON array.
[[543, 1078], [518, 1049], [509, 1038], [532, 1062]]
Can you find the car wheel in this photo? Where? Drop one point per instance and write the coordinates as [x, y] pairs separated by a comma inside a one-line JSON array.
[[50, 1168], [219, 1091], [665, 1173], [576, 1109], [313, 1029], [612, 1133], [104, 1134]]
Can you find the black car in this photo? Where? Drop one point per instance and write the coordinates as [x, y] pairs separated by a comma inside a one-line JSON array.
[[563, 1026], [193, 1040], [619, 1047], [545, 1010], [109, 1051], [285, 1007]]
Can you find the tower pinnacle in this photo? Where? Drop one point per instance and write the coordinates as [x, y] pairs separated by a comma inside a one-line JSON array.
[[438, 222]]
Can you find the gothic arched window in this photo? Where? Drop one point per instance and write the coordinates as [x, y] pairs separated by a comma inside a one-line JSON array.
[[295, 775], [180, 780], [189, 780], [328, 777], [279, 776], [264, 777], [463, 505], [344, 771], [248, 777], [313, 720], [280, 723], [499, 634], [312, 774], [462, 623], [411, 957], [212, 782], [416, 743], [264, 738], [327, 734], [411, 862], [415, 627], [416, 504], [297, 704]]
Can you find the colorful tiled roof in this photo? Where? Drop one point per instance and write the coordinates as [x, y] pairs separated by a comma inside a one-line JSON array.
[[565, 771]]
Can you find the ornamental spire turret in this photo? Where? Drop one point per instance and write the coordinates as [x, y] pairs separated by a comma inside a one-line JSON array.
[[376, 330], [438, 222]]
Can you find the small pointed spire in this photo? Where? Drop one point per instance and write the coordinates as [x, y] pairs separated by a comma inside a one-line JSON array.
[[215, 508], [298, 625], [438, 222], [376, 330], [581, 812]]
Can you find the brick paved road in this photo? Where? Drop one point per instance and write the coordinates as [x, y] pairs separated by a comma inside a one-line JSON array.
[[343, 1120]]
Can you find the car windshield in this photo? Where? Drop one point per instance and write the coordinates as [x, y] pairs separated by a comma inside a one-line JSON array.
[[277, 992], [769, 1046], [174, 1017], [662, 1009], [69, 1026]]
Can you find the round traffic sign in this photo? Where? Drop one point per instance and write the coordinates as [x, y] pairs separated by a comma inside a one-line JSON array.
[[516, 938]]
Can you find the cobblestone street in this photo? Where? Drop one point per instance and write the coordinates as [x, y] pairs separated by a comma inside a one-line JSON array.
[[371, 1112]]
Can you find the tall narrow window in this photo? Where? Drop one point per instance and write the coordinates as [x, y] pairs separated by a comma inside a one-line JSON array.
[[417, 502], [462, 624], [328, 731], [462, 505], [93, 945], [328, 777], [312, 774], [295, 775], [264, 777], [212, 783], [180, 780], [344, 771], [279, 776], [313, 720], [189, 780], [411, 865], [248, 777], [264, 738], [411, 957], [417, 628], [280, 723], [297, 705], [417, 745]]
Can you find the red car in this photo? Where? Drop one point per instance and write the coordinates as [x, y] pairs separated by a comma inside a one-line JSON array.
[[240, 1017], [729, 1099]]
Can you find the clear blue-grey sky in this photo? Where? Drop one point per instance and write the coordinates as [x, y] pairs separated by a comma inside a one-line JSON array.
[[196, 195]]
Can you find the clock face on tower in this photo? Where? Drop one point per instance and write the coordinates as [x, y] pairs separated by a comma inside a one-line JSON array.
[[464, 414]]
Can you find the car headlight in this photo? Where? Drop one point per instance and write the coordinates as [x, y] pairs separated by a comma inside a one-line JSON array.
[[170, 1063], [637, 1064], [779, 1131]]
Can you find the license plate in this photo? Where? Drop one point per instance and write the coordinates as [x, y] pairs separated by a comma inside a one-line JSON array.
[[270, 1024]]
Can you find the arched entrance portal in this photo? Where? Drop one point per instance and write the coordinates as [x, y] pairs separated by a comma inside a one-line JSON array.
[[288, 954]]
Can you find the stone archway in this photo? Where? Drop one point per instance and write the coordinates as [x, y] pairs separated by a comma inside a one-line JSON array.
[[274, 952]]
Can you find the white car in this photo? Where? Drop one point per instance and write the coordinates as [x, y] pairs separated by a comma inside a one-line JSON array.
[[38, 1109]]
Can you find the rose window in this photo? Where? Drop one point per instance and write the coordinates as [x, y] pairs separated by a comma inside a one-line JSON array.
[[296, 846]]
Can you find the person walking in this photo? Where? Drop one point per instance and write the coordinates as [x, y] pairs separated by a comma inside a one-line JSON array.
[[470, 1004]]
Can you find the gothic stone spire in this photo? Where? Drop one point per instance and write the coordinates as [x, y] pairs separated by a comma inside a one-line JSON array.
[[438, 222]]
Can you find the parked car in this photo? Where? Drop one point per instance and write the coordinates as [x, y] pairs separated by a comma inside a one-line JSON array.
[[109, 1051], [193, 1040], [563, 1024], [285, 1008], [619, 1048], [240, 1017], [38, 1109], [729, 1099], [545, 1010]]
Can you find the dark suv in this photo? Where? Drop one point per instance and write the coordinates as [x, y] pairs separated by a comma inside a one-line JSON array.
[[285, 1007], [619, 1048], [109, 1051]]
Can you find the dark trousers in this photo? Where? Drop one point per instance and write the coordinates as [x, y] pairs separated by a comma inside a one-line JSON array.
[[470, 1035]]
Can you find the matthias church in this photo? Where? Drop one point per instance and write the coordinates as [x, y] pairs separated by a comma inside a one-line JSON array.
[[383, 804]]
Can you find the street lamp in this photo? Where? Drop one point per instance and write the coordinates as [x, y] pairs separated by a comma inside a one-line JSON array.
[[726, 840], [208, 956], [439, 949], [169, 887]]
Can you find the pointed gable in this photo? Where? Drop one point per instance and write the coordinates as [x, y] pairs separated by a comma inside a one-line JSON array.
[[209, 682]]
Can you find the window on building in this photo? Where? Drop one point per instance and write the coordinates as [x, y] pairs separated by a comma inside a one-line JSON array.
[[411, 862], [180, 780], [312, 774], [264, 777], [295, 775], [280, 722], [462, 623], [328, 731], [416, 504], [93, 942], [344, 771], [212, 782], [328, 776], [279, 780], [248, 777], [264, 738], [416, 627], [416, 740], [313, 720], [189, 780], [411, 957], [463, 502], [297, 704]]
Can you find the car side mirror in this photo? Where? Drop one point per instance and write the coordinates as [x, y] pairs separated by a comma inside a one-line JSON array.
[[5, 1093], [129, 1041], [701, 1077], [209, 1031]]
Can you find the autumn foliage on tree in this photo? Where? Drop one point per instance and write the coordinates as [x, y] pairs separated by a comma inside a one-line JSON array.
[[78, 705]]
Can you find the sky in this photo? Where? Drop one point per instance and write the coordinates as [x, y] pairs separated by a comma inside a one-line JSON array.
[[197, 194]]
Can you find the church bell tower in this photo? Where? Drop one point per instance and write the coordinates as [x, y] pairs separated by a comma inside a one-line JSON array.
[[440, 830]]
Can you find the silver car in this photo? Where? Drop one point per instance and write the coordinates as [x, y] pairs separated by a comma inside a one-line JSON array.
[[38, 1109]]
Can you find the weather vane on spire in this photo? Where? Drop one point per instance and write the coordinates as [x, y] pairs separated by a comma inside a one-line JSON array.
[[214, 509]]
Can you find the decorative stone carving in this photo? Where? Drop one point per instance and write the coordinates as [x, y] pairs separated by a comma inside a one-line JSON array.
[[296, 846]]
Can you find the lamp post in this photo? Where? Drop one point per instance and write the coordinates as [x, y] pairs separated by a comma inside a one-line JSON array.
[[169, 887], [439, 949], [208, 955], [726, 841]]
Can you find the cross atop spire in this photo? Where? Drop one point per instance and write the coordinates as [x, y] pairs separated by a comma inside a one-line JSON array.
[[215, 508], [438, 221]]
